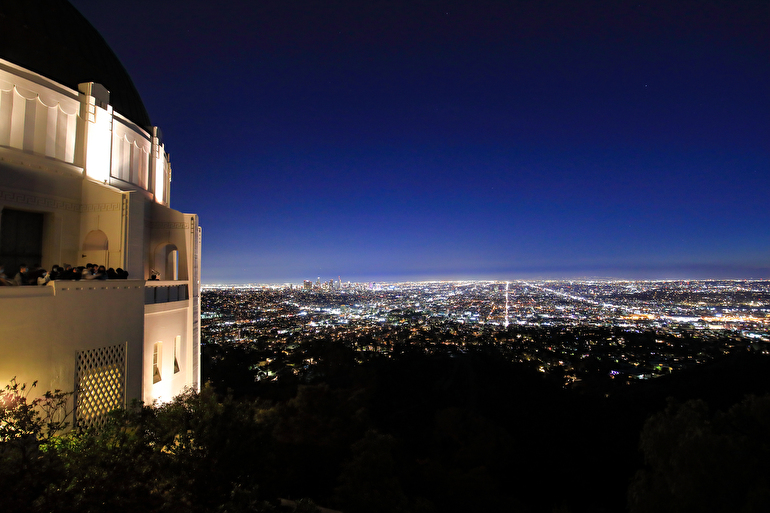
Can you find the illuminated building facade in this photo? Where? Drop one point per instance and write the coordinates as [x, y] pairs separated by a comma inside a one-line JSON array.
[[85, 178]]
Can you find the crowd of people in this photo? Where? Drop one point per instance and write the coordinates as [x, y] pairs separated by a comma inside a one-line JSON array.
[[37, 275]]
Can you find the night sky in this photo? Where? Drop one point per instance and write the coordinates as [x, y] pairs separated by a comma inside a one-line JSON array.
[[390, 140]]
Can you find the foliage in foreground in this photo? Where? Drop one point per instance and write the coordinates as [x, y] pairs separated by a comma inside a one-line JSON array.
[[196, 453], [28, 427], [422, 434]]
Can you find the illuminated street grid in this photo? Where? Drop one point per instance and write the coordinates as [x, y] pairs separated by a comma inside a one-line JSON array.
[[578, 330]]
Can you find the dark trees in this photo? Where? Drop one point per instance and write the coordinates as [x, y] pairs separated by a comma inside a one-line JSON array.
[[198, 453], [697, 460]]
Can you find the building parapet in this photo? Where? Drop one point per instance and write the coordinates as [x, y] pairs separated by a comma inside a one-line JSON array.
[[59, 287], [80, 129], [166, 291]]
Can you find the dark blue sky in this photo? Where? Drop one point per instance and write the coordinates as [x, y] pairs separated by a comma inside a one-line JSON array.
[[416, 139]]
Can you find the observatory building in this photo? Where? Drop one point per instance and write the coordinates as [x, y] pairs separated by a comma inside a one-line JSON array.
[[85, 178]]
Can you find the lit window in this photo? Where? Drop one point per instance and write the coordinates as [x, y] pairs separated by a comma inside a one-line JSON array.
[[173, 258], [157, 352], [177, 352]]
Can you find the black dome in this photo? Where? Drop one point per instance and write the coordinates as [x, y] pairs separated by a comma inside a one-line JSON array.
[[52, 38]]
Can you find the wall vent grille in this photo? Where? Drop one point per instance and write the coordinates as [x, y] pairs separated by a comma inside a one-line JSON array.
[[101, 384]]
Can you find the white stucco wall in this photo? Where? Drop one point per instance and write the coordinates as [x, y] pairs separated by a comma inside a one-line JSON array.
[[163, 323], [45, 327]]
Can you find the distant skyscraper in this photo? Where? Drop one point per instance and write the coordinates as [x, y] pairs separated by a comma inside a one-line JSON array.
[[506, 304]]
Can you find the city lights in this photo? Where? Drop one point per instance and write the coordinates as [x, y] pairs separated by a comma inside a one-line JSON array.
[[623, 330]]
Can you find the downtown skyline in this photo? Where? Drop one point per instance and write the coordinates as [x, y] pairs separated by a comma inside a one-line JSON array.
[[390, 141]]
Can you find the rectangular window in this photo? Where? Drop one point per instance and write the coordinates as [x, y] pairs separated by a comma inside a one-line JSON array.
[[157, 356], [21, 239], [177, 352], [174, 256]]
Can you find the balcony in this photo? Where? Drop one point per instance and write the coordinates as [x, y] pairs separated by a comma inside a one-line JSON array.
[[155, 291]]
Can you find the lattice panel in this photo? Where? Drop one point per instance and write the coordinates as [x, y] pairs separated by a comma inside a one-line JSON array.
[[101, 384]]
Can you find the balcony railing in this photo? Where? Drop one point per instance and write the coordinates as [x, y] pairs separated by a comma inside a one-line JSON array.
[[58, 287], [156, 291]]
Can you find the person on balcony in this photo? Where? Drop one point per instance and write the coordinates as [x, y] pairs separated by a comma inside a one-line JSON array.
[[21, 277], [70, 273], [100, 273], [43, 278], [4, 281]]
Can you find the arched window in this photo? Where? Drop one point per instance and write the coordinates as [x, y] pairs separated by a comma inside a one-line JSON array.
[[167, 262]]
